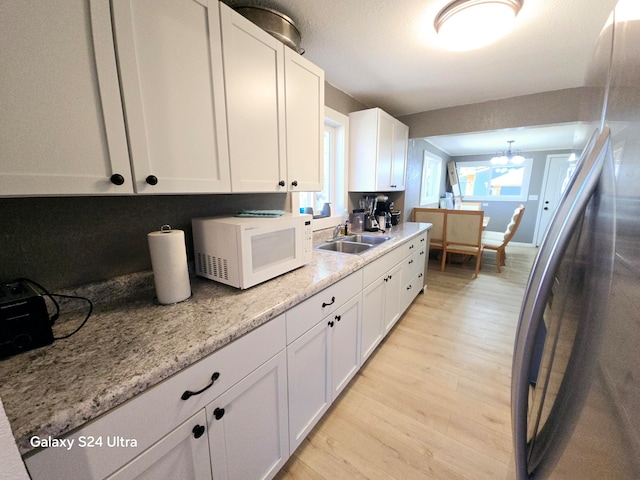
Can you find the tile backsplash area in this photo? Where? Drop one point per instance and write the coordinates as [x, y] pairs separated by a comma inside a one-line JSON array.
[[63, 242]]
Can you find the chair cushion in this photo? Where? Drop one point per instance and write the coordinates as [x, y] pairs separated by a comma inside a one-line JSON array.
[[492, 236], [492, 244]]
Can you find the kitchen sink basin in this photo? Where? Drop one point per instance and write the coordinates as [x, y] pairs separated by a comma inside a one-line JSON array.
[[364, 238], [343, 246], [354, 244]]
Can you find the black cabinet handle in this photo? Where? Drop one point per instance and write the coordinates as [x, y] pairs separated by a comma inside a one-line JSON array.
[[420, 275], [117, 179], [422, 239], [410, 247], [330, 323], [393, 186], [422, 252], [409, 287], [333, 300], [281, 183], [218, 413], [198, 430], [188, 393], [152, 180], [338, 318], [410, 261], [294, 183]]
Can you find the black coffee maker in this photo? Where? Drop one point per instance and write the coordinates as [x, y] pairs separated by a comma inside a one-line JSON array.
[[384, 209]]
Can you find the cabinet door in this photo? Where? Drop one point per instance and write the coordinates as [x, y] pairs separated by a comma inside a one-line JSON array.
[[62, 123], [254, 88], [399, 161], [170, 62], [385, 151], [345, 344], [304, 97], [248, 431], [183, 454], [393, 297], [309, 370], [372, 317]]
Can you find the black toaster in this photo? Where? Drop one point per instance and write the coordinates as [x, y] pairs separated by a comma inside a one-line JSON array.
[[24, 319]]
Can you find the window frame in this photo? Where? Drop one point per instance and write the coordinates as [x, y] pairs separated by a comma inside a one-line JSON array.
[[526, 181]]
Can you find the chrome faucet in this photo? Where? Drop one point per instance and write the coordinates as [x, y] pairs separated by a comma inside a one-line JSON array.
[[337, 230]]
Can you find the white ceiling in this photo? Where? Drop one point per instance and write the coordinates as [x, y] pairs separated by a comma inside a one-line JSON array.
[[384, 53]]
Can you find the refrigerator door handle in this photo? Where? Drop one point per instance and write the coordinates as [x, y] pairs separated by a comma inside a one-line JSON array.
[[561, 228]]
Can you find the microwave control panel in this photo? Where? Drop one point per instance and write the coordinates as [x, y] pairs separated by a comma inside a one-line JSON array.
[[308, 241]]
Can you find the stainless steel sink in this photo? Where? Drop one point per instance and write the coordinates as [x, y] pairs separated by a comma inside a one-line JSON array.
[[343, 246], [353, 244], [367, 238]]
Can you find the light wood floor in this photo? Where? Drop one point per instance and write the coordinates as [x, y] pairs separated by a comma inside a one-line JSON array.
[[432, 402]]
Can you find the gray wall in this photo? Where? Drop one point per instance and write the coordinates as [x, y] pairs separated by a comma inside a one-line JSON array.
[[545, 108], [415, 156]]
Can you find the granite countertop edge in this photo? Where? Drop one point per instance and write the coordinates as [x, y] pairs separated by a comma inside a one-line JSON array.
[[131, 343]]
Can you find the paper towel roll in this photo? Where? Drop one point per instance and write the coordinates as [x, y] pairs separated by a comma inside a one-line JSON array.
[[169, 263]]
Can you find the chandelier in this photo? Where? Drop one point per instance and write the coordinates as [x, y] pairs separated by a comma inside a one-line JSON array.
[[508, 156]]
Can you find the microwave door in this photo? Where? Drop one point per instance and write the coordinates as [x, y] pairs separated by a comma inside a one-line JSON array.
[[565, 304], [270, 250]]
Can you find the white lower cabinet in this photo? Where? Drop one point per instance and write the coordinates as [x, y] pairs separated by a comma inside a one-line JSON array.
[[381, 311], [320, 364], [248, 425], [183, 454]]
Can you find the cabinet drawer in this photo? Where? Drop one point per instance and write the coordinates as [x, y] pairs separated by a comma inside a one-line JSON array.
[[413, 265], [306, 314], [155, 412], [382, 265]]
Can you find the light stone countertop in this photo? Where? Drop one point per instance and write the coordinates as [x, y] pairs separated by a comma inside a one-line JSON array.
[[130, 343]]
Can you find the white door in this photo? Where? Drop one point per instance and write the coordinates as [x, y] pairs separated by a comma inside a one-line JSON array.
[[555, 175], [254, 83], [183, 454], [372, 318], [170, 61], [393, 297], [385, 151], [399, 163], [62, 123], [248, 425], [309, 374], [345, 344], [304, 85]]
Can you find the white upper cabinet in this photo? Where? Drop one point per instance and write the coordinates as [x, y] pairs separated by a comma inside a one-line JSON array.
[[153, 97], [275, 102], [253, 73], [304, 98], [62, 127], [170, 61], [378, 151]]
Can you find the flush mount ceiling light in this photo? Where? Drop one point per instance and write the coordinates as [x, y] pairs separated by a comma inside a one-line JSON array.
[[508, 156], [471, 24]]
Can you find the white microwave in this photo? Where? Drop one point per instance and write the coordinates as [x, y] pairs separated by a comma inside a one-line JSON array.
[[245, 251]]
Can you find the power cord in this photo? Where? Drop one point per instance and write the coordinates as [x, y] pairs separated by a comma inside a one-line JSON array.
[[56, 315]]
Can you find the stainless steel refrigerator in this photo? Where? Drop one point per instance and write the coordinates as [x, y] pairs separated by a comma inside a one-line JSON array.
[[576, 368]]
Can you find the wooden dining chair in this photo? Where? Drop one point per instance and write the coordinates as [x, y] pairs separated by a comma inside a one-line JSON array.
[[463, 235], [498, 240], [436, 217]]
